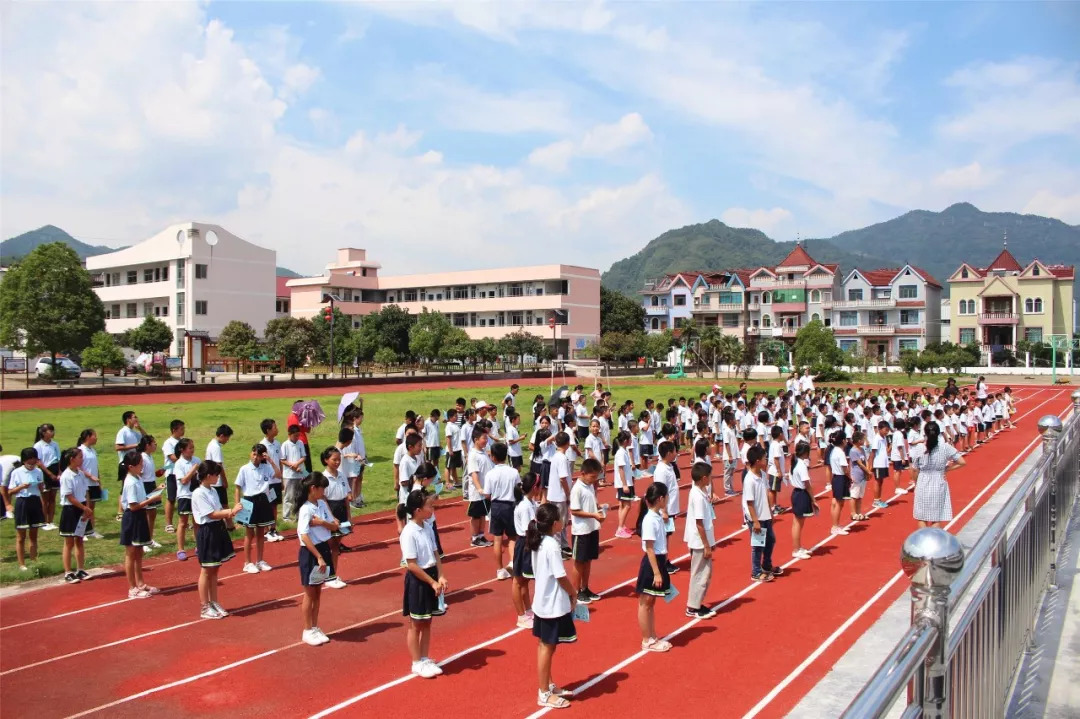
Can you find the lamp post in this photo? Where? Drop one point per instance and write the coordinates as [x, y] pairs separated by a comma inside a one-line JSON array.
[[330, 319]]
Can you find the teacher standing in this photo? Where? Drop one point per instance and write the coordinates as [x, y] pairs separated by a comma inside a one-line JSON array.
[[933, 505]]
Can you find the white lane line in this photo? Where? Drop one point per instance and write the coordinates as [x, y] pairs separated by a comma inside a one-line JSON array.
[[795, 673]]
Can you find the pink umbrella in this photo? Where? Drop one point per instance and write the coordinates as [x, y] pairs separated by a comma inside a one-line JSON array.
[[309, 412]]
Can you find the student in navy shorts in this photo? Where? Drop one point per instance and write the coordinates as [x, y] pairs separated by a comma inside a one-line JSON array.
[[424, 581], [553, 601], [314, 526], [526, 494]]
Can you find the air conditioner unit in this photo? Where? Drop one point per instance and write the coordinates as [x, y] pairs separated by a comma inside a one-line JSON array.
[[193, 233]]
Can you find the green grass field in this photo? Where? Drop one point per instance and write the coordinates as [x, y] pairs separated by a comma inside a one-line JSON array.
[[383, 414]]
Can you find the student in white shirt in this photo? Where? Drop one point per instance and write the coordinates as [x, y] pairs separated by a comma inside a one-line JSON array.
[[526, 496], [314, 526], [586, 518], [840, 482], [729, 438], [454, 459], [168, 449], [699, 539], [758, 515], [499, 483], [87, 444], [127, 439], [653, 580], [293, 471], [269, 429], [777, 471], [594, 447], [134, 528], [432, 449], [252, 483], [215, 451], [424, 581], [49, 464], [879, 449], [898, 452], [558, 489], [150, 475], [337, 500], [553, 600], [73, 509], [24, 483], [664, 472], [212, 540], [478, 465], [623, 470], [359, 448], [186, 469], [803, 504], [514, 440]]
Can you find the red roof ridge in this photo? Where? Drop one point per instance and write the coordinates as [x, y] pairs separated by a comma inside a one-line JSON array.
[[797, 257]]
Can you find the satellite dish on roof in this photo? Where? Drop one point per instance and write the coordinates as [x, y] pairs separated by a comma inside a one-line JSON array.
[[179, 237], [211, 238]]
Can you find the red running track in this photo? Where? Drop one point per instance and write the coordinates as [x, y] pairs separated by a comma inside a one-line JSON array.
[[85, 650]]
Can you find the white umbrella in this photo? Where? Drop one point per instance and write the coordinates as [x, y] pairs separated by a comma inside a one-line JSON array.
[[347, 400]]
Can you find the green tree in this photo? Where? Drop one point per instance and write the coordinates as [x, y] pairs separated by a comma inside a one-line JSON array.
[[392, 327], [151, 336], [427, 334], [909, 362], [456, 347], [856, 357], [520, 343], [290, 338], [487, 351], [386, 357], [102, 354], [342, 337], [48, 303], [731, 349], [815, 346], [619, 313], [656, 345], [238, 340], [710, 344]]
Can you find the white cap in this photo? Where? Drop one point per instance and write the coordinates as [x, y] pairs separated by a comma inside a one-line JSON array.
[[480, 404]]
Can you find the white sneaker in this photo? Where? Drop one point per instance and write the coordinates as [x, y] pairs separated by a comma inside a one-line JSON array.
[[49, 527], [250, 568], [802, 554], [147, 549], [97, 535], [336, 584], [155, 544], [208, 612], [323, 639], [525, 622], [502, 574], [839, 531], [310, 638], [263, 566], [901, 490], [219, 609], [429, 669]]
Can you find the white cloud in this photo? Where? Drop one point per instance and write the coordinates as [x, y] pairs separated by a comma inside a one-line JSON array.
[[968, 177], [297, 80], [601, 141], [768, 221], [1051, 204]]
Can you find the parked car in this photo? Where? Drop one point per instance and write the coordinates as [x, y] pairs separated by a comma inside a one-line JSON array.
[[71, 370]]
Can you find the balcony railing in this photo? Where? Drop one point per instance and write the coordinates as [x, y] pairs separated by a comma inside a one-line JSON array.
[[791, 284], [877, 329], [754, 307], [858, 304], [656, 309], [998, 318], [718, 306]]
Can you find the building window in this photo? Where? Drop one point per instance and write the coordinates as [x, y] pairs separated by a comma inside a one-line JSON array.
[[515, 291], [1033, 334], [165, 273], [909, 292], [815, 317], [179, 275], [180, 307], [1033, 305], [731, 320], [1035, 271], [766, 321], [967, 335], [459, 319], [132, 277], [849, 319], [909, 317], [283, 306], [828, 321], [680, 300], [200, 272], [200, 307], [964, 274], [766, 298], [905, 345], [655, 323], [847, 345], [854, 295], [148, 309], [815, 296], [148, 275], [132, 309], [363, 272], [409, 296]]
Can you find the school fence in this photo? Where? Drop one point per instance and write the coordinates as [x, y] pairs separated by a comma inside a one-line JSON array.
[[963, 666]]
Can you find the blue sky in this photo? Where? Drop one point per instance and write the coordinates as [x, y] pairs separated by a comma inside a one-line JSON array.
[[454, 135]]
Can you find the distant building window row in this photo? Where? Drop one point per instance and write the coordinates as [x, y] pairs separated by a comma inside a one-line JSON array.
[[149, 274], [1033, 305]]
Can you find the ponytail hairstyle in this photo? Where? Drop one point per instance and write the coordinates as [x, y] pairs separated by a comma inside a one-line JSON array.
[[132, 458], [67, 455], [209, 468], [426, 470], [701, 448], [85, 435], [415, 501], [547, 514], [656, 492], [315, 479], [933, 432], [524, 488], [144, 442], [538, 444], [622, 438], [39, 433], [802, 451]]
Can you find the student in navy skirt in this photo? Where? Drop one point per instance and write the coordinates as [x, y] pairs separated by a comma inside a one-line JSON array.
[[212, 540], [73, 509], [134, 526], [527, 493], [252, 483], [151, 476], [424, 581], [653, 580], [337, 498], [24, 484], [553, 601], [313, 527]]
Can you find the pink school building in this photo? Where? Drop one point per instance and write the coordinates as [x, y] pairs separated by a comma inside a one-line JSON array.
[[485, 303]]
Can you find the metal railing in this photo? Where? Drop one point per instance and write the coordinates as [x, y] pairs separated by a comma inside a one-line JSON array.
[[964, 666]]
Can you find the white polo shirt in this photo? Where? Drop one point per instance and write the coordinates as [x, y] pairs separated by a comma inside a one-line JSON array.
[[205, 501], [583, 499], [624, 469], [754, 493], [499, 483], [418, 543], [318, 535], [652, 529], [560, 469], [698, 508], [550, 601], [665, 474]]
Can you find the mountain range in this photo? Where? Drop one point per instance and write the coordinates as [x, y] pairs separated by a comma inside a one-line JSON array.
[[935, 241], [19, 246]]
